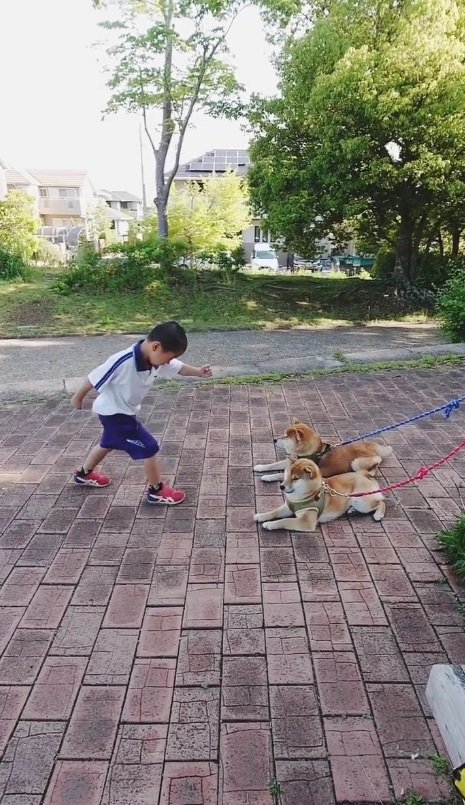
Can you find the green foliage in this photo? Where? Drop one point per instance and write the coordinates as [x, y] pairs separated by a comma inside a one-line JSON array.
[[169, 60], [100, 220], [434, 270], [370, 127], [18, 225], [276, 791], [129, 267], [228, 262], [451, 306], [47, 254], [210, 217], [453, 543], [11, 266], [383, 268], [441, 765], [413, 799]]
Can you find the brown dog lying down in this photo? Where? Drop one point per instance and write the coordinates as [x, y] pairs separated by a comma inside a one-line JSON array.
[[307, 502], [301, 441]]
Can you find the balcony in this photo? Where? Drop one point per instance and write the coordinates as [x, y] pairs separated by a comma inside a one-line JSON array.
[[61, 206]]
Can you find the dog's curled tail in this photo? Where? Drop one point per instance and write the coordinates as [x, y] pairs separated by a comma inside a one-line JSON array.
[[384, 450]]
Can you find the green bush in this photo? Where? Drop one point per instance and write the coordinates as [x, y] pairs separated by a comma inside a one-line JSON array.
[[127, 267], [451, 306], [453, 543], [230, 262], [434, 270], [12, 266], [48, 254], [383, 268]]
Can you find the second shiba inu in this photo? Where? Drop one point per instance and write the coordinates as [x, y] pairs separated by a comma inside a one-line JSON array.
[[310, 499]]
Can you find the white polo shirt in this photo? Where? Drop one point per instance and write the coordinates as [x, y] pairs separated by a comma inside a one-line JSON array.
[[123, 381]]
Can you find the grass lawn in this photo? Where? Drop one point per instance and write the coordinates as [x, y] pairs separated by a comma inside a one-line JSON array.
[[32, 307]]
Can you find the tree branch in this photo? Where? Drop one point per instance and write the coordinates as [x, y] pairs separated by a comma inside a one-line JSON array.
[[206, 60]]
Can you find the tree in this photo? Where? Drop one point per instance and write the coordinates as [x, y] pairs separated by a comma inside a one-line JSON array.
[[170, 58], [210, 217], [18, 225], [370, 126], [100, 219]]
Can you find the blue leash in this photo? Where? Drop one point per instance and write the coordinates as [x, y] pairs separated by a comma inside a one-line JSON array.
[[448, 408]]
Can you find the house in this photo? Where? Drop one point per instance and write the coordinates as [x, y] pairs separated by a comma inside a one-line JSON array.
[[3, 187], [124, 208], [217, 163], [125, 202], [22, 180], [67, 198]]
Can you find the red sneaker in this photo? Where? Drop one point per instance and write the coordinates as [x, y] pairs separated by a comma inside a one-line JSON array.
[[92, 478], [166, 495]]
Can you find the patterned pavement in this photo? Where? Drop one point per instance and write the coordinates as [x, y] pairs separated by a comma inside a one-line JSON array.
[[183, 657]]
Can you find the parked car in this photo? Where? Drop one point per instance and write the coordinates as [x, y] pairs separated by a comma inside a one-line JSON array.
[[264, 256], [304, 264], [326, 264]]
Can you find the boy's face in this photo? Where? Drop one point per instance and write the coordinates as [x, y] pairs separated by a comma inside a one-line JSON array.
[[157, 356]]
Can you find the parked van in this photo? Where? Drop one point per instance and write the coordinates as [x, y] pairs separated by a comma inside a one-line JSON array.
[[264, 256]]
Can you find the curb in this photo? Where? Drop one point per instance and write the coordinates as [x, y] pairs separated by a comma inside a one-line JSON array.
[[303, 364]]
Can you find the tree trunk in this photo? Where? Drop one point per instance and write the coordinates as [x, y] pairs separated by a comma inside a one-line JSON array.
[[441, 243], [161, 203], [403, 259], [455, 241]]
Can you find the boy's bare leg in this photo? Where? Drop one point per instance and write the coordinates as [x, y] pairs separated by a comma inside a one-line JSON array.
[[153, 471], [96, 455]]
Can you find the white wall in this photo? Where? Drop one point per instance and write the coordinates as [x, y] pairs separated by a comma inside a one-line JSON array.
[[3, 188]]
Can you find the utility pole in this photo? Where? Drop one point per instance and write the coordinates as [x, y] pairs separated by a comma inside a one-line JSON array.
[[142, 174]]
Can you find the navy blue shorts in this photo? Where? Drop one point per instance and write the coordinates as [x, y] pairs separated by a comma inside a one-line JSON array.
[[124, 432]]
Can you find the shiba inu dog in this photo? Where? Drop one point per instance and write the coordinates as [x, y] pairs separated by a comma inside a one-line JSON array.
[[301, 441], [310, 499]]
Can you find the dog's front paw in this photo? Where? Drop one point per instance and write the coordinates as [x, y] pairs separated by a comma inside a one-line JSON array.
[[260, 468], [270, 525], [259, 518], [269, 478]]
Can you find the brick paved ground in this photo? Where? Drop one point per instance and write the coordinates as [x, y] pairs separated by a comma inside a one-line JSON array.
[[181, 657]]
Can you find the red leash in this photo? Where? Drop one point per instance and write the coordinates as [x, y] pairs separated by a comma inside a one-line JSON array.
[[423, 472]]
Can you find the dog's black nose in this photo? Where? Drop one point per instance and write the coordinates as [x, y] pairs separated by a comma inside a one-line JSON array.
[[282, 487]]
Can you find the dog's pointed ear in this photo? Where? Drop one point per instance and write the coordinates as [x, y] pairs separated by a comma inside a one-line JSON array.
[[294, 421], [299, 433], [309, 471]]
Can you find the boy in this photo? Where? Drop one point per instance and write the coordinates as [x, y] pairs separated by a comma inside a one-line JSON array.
[[122, 383]]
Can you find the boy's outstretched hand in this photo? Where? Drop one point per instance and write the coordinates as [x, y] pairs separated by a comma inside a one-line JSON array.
[[77, 401], [206, 371]]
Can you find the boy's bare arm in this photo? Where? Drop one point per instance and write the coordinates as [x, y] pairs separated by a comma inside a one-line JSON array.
[[195, 371], [78, 398]]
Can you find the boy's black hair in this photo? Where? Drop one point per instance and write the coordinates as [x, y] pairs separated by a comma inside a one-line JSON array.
[[171, 336]]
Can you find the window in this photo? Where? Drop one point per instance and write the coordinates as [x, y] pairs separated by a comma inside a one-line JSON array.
[[43, 192], [68, 192], [265, 236], [65, 222], [256, 236]]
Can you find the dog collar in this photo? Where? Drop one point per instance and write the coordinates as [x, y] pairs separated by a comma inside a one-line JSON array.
[[316, 457]]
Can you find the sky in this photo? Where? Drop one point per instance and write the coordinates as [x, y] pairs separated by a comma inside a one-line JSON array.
[[52, 93]]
